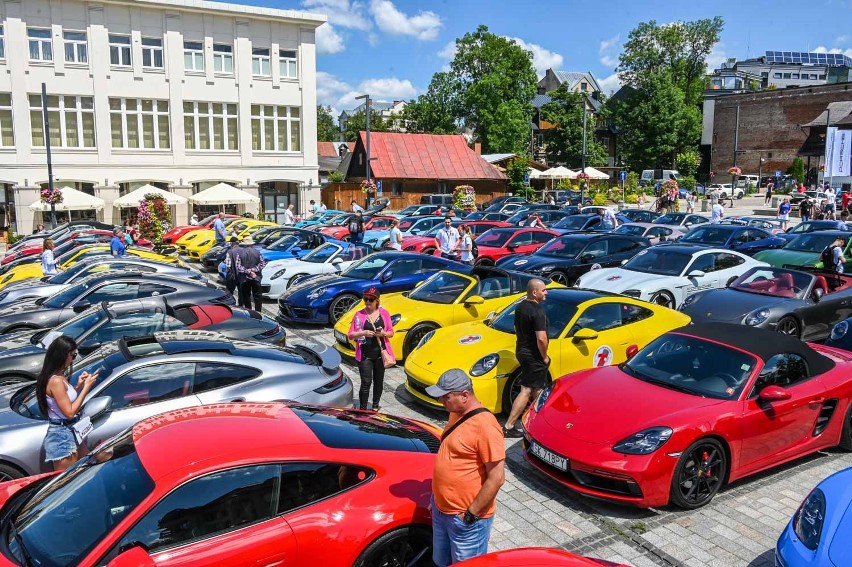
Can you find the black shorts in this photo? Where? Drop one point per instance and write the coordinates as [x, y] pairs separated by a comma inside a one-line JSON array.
[[533, 373]]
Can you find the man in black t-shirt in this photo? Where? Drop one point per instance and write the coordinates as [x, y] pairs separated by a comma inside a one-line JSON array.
[[530, 350]]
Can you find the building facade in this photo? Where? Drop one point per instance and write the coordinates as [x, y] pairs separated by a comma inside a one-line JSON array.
[[181, 94]]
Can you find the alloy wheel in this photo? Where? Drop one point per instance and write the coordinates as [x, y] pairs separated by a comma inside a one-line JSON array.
[[700, 475]]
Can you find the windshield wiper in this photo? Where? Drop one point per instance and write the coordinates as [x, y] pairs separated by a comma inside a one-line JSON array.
[[25, 555], [669, 385]]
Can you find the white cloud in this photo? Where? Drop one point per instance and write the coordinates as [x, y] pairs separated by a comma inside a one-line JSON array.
[[716, 57], [330, 89], [607, 51], [388, 89], [543, 59], [840, 40], [328, 40], [449, 51], [342, 13], [610, 84], [424, 25]]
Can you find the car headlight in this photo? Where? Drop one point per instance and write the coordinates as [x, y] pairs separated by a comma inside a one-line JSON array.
[[318, 292], [395, 319], [204, 243], [542, 269], [757, 317], [485, 364], [542, 397], [425, 339], [644, 442], [837, 333], [807, 523], [688, 301], [278, 274], [636, 293]]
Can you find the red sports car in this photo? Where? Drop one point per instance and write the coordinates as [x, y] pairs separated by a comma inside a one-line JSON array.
[[699, 407], [341, 232], [500, 242], [234, 484], [535, 557], [77, 238], [425, 244], [207, 222]]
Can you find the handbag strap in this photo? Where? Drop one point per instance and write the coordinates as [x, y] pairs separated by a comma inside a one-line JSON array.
[[463, 418]]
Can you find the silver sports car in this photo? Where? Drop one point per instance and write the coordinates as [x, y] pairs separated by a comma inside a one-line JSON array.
[[138, 378]]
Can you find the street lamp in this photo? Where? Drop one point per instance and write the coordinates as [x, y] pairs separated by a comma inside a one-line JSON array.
[[760, 171], [367, 103], [584, 182]]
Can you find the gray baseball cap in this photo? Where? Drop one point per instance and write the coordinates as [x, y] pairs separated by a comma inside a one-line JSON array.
[[453, 380]]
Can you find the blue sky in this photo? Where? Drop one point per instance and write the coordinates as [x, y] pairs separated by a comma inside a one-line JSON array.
[[391, 48]]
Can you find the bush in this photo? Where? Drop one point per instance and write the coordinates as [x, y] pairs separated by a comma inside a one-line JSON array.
[[688, 182], [335, 177], [631, 199], [600, 199]]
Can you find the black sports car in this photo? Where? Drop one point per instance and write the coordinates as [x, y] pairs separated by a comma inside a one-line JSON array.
[[640, 215], [22, 354], [308, 240], [798, 303], [46, 312]]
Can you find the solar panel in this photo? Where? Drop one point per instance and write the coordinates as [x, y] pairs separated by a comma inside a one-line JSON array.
[[808, 58]]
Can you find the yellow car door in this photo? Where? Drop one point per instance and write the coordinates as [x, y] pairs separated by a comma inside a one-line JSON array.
[[596, 337]]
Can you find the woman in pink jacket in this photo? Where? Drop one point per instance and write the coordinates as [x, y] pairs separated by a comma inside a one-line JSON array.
[[370, 329]]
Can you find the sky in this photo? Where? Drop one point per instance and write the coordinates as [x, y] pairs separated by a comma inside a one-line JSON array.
[[391, 48]]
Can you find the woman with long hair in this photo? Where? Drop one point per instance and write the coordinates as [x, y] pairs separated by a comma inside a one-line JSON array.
[[61, 402], [48, 260], [370, 330]]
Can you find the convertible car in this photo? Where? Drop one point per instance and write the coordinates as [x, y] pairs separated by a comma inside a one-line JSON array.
[[814, 226], [805, 305], [174, 234], [586, 329], [331, 258], [805, 249], [719, 402]]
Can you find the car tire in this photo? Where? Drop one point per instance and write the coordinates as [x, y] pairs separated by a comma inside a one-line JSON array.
[[484, 262], [340, 305], [429, 251], [561, 278], [8, 472], [411, 545], [413, 337], [293, 279], [789, 326], [664, 298], [699, 474], [741, 195]]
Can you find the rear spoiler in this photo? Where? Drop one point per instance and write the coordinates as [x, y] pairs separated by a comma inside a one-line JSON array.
[[329, 358]]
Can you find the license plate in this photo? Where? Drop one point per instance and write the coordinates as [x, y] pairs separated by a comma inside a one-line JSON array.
[[341, 338], [549, 457]]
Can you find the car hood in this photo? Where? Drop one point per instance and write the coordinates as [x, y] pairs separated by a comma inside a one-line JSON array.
[[578, 401], [302, 290], [30, 282], [618, 280], [779, 258], [467, 342], [526, 263], [20, 307], [728, 305]]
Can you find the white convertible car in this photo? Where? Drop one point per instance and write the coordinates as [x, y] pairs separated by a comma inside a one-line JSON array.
[[329, 258], [667, 274]]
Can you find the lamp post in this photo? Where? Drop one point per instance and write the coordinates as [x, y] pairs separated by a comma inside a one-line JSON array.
[[583, 162], [760, 171], [367, 104], [49, 156]]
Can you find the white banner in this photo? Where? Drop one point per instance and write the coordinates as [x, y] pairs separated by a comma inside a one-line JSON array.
[[838, 148]]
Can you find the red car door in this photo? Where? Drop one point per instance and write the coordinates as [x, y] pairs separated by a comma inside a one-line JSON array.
[[522, 243], [776, 430]]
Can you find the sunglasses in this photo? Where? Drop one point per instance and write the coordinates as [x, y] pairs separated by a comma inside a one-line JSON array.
[[369, 299]]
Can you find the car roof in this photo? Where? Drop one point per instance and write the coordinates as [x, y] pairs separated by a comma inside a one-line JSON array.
[[687, 248], [577, 295]]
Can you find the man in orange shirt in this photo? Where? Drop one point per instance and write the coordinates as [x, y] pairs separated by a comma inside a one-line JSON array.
[[469, 471]]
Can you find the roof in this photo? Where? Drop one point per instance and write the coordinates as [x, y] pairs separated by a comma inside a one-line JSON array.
[[540, 100], [492, 158], [839, 111], [329, 163], [232, 9], [573, 77], [326, 149], [425, 156]]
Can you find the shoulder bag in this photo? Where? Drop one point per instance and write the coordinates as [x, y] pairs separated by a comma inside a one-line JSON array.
[[463, 418]]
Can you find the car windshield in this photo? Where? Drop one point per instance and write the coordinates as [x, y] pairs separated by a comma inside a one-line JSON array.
[[559, 312], [495, 238], [366, 269], [692, 365], [322, 254], [66, 276], [64, 297], [75, 327], [661, 261], [421, 226], [810, 242], [442, 288], [563, 247], [410, 210], [478, 215], [707, 235], [572, 221], [283, 244], [776, 282], [339, 220], [630, 229], [671, 218]]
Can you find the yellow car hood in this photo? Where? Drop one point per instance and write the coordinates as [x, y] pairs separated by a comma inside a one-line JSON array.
[[194, 236]]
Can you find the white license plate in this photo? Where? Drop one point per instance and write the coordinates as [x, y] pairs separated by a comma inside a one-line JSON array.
[[549, 457], [341, 338]]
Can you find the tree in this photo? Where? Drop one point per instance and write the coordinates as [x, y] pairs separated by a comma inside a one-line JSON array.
[[436, 111], [326, 128], [564, 142], [687, 162], [797, 170], [358, 122], [516, 171]]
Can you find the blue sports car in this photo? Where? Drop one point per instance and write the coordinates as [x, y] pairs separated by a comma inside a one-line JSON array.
[[324, 299], [321, 218], [745, 239], [295, 244], [818, 533], [211, 259]]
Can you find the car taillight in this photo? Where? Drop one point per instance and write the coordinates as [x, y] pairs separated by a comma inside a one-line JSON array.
[[270, 333], [226, 299], [338, 381]]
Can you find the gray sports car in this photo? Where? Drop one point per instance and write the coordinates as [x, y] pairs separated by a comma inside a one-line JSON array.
[[48, 285], [138, 378]]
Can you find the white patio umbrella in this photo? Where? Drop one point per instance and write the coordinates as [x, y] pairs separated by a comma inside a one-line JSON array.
[[596, 173], [132, 199], [72, 200], [560, 172], [223, 194], [535, 174]]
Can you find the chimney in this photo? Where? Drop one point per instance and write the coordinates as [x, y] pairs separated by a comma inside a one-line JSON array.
[[477, 147]]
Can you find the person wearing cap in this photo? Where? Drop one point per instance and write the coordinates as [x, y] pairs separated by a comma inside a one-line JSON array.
[[469, 471], [250, 264], [370, 329], [446, 239], [117, 246], [231, 265], [194, 220]]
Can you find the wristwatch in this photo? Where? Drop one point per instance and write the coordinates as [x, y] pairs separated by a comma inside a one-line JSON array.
[[470, 517]]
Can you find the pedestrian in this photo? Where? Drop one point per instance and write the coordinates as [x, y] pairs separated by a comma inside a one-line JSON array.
[[531, 342], [193, 220], [717, 213], [231, 265], [49, 265], [830, 206], [314, 208], [534, 221], [608, 220], [845, 199], [250, 263], [370, 329], [446, 239], [469, 471], [117, 246], [323, 208], [61, 403], [769, 188], [641, 200], [289, 217], [731, 195], [39, 229], [219, 231], [465, 246], [356, 208], [690, 202], [551, 200], [832, 256], [806, 209], [395, 236], [356, 227], [784, 212]]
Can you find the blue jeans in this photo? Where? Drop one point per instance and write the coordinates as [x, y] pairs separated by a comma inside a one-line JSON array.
[[454, 541]]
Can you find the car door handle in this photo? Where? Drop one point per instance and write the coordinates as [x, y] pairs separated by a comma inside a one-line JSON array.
[[817, 400]]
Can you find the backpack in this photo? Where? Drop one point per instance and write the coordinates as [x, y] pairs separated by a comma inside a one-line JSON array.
[[827, 257], [354, 226], [474, 249]]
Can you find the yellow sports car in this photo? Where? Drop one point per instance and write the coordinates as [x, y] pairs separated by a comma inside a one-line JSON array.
[[447, 298], [251, 226], [586, 329], [202, 234]]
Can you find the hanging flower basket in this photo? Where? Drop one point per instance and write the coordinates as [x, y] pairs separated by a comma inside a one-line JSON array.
[[51, 197], [154, 216], [368, 186], [735, 171], [670, 186], [464, 197], [582, 176]]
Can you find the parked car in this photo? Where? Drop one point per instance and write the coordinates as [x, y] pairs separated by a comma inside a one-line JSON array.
[[656, 233], [547, 217], [292, 245], [770, 225], [59, 232], [439, 199], [319, 218], [66, 242], [796, 197], [331, 258], [682, 219], [639, 215], [172, 236], [581, 222], [566, 258], [814, 226], [425, 244], [483, 216], [502, 199], [500, 242], [264, 238], [371, 222], [805, 249], [743, 239], [409, 226], [724, 190], [540, 556], [416, 210], [704, 388]]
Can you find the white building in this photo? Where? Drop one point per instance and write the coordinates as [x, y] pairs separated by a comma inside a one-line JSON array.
[[181, 94]]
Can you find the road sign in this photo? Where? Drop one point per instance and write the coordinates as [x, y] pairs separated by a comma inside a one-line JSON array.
[[777, 173], [622, 176], [527, 178], [379, 187]]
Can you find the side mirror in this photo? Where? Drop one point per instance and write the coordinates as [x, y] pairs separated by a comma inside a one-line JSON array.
[[133, 557], [45, 278], [696, 274], [81, 306], [631, 351], [474, 300], [623, 262], [88, 346], [97, 406], [336, 261], [295, 250], [490, 317], [386, 277], [512, 247], [774, 394], [585, 334], [817, 294]]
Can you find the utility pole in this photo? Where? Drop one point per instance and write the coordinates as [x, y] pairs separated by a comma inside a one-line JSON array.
[[736, 151], [367, 103], [583, 162], [829, 153], [49, 156]]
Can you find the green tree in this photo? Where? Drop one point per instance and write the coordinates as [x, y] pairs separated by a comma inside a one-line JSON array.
[[797, 170], [687, 162], [436, 111], [326, 128], [564, 142], [516, 171], [358, 122]]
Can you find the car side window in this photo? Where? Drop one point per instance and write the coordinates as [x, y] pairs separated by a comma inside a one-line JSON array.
[[210, 376], [595, 249], [695, 219], [135, 325], [113, 292], [431, 266], [623, 246], [405, 267], [725, 261], [303, 484], [220, 502], [151, 384], [522, 239], [154, 289], [705, 263], [634, 313], [541, 237], [783, 370], [600, 317], [741, 237]]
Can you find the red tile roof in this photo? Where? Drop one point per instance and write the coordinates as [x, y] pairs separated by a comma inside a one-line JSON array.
[[326, 149], [398, 155]]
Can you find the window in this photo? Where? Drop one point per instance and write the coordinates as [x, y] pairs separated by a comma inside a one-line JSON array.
[[634, 313], [776, 75], [303, 484], [223, 58], [209, 376], [540, 237], [7, 136], [119, 50], [287, 64], [600, 317], [795, 76], [523, 239], [41, 49], [76, 50], [210, 126], [404, 267], [725, 261], [135, 325], [148, 289], [787, 75], [152, 53], [703, 263], [623, 246], [814, 76], [113, 292], [783, 370], [594, 250], [822, 77], [2, 43], [150, 384], [260, 62], [72, 121], [764, 74], [276, 128], [139, 123], [193, 56], [396, 189]]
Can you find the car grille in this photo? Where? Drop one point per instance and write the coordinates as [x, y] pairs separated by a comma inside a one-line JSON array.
[[342, 339], [417, 386], [182, 248], [194, 255], [290, 312]]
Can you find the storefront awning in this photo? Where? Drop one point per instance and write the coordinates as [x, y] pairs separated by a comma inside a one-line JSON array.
[[131, 200], [72, 200]]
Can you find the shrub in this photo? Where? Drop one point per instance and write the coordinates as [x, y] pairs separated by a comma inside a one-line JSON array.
[[631, 198], [335, 177], [600, 199]]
